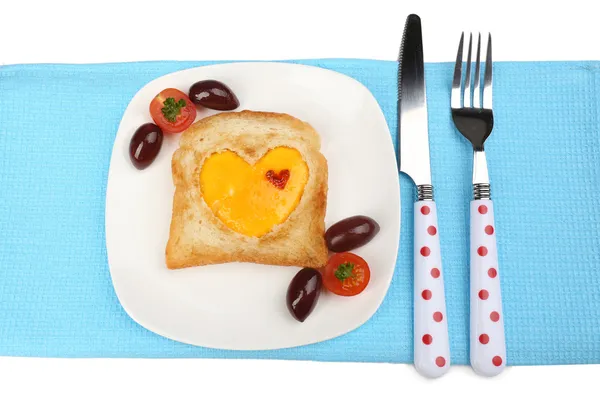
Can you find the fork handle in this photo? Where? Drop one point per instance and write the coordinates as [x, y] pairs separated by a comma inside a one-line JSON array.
[[431, 347], [488, 347]]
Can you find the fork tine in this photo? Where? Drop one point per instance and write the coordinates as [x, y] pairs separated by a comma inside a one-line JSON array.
[[487, 78], [455, 99], [467, 97], [476, 84]]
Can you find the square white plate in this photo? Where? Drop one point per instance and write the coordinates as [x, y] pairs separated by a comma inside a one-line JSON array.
[[237, 305]]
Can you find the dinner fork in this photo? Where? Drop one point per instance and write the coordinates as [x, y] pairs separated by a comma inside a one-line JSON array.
[[473, 116]]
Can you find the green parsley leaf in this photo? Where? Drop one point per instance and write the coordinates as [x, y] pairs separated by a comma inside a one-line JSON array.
[[344, 271], [172, 109]]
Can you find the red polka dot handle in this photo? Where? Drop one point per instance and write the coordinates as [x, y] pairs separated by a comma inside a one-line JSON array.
[[431, 347], [488, 348]]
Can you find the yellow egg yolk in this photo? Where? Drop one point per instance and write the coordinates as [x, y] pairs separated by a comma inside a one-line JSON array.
[[251, 199]]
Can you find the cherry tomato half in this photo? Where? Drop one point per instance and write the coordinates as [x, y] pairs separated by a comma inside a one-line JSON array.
[[346, 274], [172, 111]]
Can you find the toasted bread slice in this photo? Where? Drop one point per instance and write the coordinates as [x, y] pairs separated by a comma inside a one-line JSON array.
[[199, 237]]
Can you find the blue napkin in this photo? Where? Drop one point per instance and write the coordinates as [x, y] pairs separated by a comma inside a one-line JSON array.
[[57, 127]]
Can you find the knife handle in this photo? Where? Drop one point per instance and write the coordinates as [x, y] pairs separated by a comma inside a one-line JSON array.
[[488, 347], [431, 347]]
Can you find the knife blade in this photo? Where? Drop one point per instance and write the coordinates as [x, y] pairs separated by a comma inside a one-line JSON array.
[[412, 103], [430, 330]]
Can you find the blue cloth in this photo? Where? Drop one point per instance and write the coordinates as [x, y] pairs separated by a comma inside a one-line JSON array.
[[57, 127]]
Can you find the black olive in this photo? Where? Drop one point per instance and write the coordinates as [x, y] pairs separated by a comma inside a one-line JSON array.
[[213, 94], [145, 145], [351, 233], [303, 293]]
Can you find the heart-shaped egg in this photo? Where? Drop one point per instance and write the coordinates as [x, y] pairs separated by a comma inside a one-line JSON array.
[[252, 199]]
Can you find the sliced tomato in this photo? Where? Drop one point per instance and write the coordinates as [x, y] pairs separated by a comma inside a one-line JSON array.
[[172, 111], [346, 274]]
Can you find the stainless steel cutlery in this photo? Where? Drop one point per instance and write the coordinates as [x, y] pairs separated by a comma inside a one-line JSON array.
[[471, 107], [472, 113], [431, 346]]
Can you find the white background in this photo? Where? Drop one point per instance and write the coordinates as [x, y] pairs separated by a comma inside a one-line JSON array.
[[78, 31]]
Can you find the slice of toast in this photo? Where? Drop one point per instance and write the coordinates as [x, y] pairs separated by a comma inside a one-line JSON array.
[[198, 237]]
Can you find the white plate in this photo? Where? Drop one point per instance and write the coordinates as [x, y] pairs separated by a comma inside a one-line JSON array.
[[242, 306]]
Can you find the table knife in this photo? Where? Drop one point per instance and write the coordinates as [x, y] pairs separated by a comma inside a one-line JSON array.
[[431, 346]]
